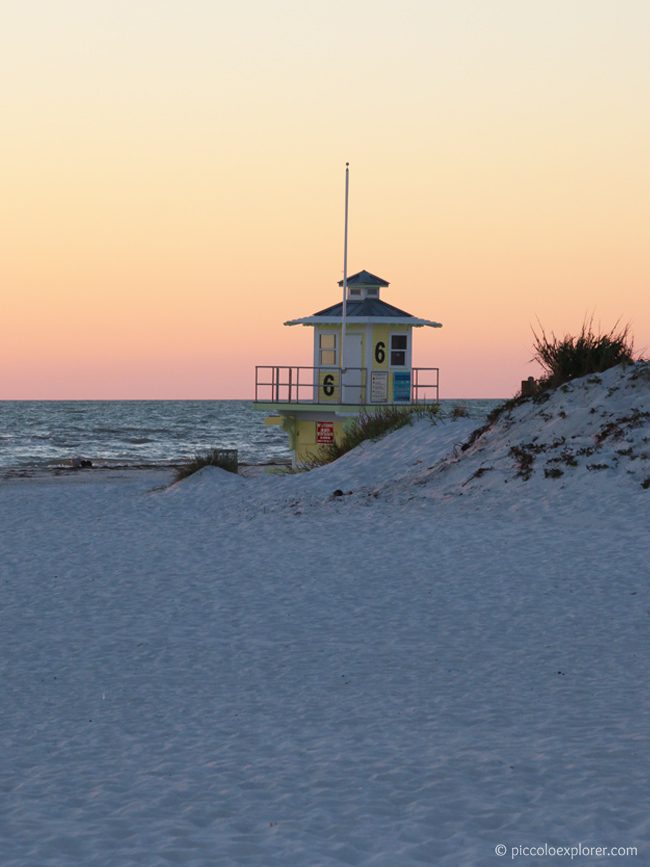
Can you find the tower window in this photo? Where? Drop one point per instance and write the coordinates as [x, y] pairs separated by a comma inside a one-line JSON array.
[[327, 350], [398, 350]]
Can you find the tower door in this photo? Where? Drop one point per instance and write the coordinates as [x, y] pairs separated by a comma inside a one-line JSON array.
[[354, 374]]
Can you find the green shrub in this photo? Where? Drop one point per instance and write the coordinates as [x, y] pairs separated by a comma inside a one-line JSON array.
[[570, 357], [226, 459], [366, 426]]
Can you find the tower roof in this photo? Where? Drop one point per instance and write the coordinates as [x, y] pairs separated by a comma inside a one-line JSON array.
[[366, 310], [365, 278], [366, 307]]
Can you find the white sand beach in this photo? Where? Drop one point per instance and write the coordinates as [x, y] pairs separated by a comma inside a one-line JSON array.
[[405, 658]]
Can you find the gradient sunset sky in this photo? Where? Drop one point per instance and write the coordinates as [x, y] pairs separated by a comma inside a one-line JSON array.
[[172, 180]]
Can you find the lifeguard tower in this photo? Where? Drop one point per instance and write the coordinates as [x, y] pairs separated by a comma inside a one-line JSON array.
[[362, 361]]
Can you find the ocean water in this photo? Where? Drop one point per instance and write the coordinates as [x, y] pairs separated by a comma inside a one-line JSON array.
[[39, 434]]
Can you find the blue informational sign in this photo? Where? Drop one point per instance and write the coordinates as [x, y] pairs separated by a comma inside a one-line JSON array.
[[402, 386]]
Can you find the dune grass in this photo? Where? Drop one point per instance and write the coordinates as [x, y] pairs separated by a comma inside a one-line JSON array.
[[567, 358], [225, 459]]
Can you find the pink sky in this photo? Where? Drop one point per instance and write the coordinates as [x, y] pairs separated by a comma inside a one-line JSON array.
[[172, 181]]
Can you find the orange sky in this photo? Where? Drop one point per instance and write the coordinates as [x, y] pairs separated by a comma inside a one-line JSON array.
[[172, 180]]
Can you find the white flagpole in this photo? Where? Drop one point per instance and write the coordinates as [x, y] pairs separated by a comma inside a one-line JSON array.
[[345, 274]]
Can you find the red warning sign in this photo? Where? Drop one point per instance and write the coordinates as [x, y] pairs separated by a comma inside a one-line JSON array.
[[324, 432]]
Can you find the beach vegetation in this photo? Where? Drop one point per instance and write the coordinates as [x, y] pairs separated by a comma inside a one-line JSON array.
[[641, 371], [492, 417], [478, 474], [475, 434], [524, 457], [366, 426], [225, 459], [432, 411], [590, 352], [611, 430]]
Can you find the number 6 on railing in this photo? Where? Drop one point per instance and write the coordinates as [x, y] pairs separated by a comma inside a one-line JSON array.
[[328, 385]]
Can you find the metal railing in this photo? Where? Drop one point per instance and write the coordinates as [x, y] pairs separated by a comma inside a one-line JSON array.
[[348, 386], [425, 392]]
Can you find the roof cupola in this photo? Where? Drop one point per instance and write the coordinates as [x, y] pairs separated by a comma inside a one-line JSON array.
[[364, 285]]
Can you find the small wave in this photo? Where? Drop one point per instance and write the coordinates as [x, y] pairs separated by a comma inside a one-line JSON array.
[[130, 429], [114, 430]]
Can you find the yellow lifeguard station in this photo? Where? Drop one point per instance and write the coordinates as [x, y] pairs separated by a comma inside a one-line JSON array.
[[362, 361]]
